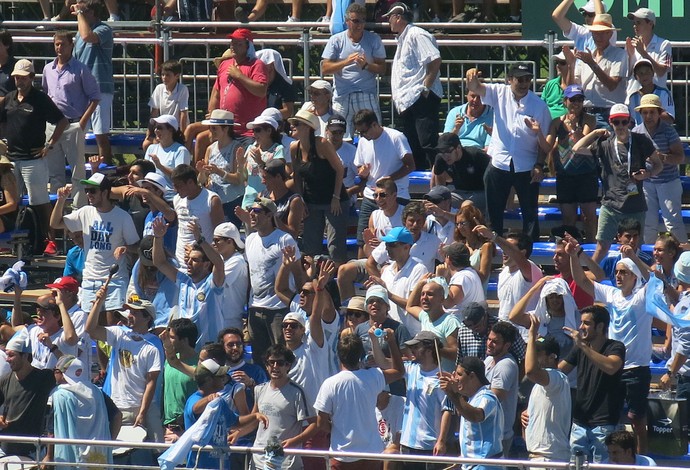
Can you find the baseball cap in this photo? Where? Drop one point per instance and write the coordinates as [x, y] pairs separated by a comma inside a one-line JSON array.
[[473, 312], [336, 120], [20, 342], [67, 283], [267, 204], [549, 345], [559, 56], [99, 180], [589, 7], [140, 304], [376, 291], [273, 113], [642, 62], [322, 85], [398, 234], [573, 90], [241, 33], [276, 167], [520, 69], [447, 142], [398, 8], [619, 110], [421, 337], [229, 230], [294, 316], [168, 119], [146, 250], [476, 366], [438, 194], [155, 179], [458, 253], [23, 68], [210, 368], [72, 369], [643, 14]]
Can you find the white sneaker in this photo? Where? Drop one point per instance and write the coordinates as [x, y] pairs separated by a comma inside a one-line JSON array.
[[112, 18], [290, 19], [324, 29]]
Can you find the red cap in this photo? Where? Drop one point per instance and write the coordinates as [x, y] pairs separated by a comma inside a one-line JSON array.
[[241, 33], [67, 283]]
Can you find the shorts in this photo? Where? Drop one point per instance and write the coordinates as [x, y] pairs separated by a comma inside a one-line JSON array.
[[33, 175], [636, 381], [609, 220], [101, 119], [573, 189], [117, 291]]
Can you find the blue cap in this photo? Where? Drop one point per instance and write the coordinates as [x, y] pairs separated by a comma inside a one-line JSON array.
[[398, 234], [573, 90]]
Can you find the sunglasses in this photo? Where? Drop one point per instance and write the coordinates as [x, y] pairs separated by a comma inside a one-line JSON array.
[[392, 244], [525, 79], [334, 132], [622, 272], [234, 344], [620, 122], [356, 21], [257, 210], [356, 314], [290, 326], [276, 362], [260, 129], [577, 99], [161, 128], [306, 292], [380, 195], [217, 240], [90, 190]]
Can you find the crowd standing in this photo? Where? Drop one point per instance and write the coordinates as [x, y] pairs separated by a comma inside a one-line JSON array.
[[213, 301]]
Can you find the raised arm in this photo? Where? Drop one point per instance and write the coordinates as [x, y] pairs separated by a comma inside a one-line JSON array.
[[211, 253], [69, 333], [57, 220], [607, 364], [92, 327], [159, 228], [518, 314], [473, 83], [577, 272], [533, 371], [558, 16], [509, 249]]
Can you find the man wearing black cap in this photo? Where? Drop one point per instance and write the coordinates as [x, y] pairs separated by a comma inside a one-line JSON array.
[[481, 417], [416, 85], [441, 218], [517, 159], [463, 167], [336, 127]]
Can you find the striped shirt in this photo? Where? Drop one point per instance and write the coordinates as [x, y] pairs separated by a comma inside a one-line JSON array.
[[664, 137], [472, 344], [423, 408]]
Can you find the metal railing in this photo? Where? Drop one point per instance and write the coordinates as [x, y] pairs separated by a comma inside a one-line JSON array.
[[576, 464], [135, 75]]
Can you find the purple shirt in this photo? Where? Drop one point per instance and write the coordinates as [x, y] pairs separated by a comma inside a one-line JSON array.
[[71, 88]]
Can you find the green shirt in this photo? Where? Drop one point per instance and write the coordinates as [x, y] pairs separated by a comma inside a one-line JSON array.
[[552, 94], [177, 387]]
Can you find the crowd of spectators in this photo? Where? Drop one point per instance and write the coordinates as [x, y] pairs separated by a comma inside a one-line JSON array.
[[216, 283]]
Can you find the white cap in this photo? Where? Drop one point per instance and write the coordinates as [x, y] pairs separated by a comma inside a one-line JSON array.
[[262, 120], [322, 85], [229, 230], [154, 179], [168, 119]]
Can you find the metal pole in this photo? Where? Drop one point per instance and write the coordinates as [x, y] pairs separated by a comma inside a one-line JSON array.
[[550, 39], [165, 35], [307, 72]]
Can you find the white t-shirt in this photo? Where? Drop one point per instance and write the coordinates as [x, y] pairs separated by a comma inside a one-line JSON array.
[[103, 233], [512, 287], [170, 157], [472, 290], [131, 358], [401, 283], [504, 375], [265, 255], [349, 397], [383, 224], [235, 290], [346, 152], [385, 156], [170, 103], [630, 323], [390, 419], [188, 210], [548, 430], [42, 357], [310, 368]]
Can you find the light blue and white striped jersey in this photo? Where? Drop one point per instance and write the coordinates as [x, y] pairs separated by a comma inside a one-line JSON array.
[[201, 303], [423, 408]]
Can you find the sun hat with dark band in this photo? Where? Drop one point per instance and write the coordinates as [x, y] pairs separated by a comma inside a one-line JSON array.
[[220, 117], [305, 117]]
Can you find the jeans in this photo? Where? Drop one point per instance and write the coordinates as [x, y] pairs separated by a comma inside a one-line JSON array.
[[320, 217], [265, 329], [591, 441], [667, 198], [69, 147], [498, 183], [421, 126]]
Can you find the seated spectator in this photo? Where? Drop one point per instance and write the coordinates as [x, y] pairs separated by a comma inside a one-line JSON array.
[[222, 170], [130, 195], [193, 204], [268, 146], [170, 97], [622, 172], [481, 250], [319, 178], [152, 189], [74, 260], [461, 168], [291, 208], [9, 193], [464, 284], [283, 125], [169, 151], [281, 90], [440, 219], [472, 122], [321, 95], [150, 283], [355, 313], [577, 179], [644, 75], [645, 44], [664, 191], [552, 94]]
